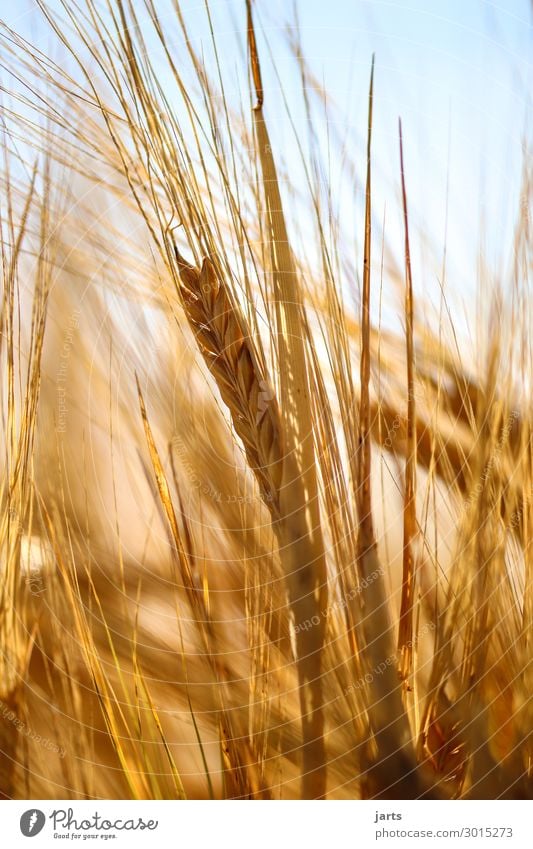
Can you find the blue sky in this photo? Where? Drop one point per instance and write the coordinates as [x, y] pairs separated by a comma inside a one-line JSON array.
[[458, 72]]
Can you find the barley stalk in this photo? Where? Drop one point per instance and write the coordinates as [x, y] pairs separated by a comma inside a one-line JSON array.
[[228, 350], [405, 630], [392, 771], [300, 535]]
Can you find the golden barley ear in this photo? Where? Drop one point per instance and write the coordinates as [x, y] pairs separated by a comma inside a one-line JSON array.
[[228, 350]]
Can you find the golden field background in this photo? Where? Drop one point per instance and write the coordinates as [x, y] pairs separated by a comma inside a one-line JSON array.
[[255, 542]]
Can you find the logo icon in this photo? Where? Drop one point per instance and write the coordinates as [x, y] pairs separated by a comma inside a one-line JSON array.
[[32, 822]]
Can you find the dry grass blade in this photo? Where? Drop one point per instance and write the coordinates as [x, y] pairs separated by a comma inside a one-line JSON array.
[[405, 631], [19, 423]]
